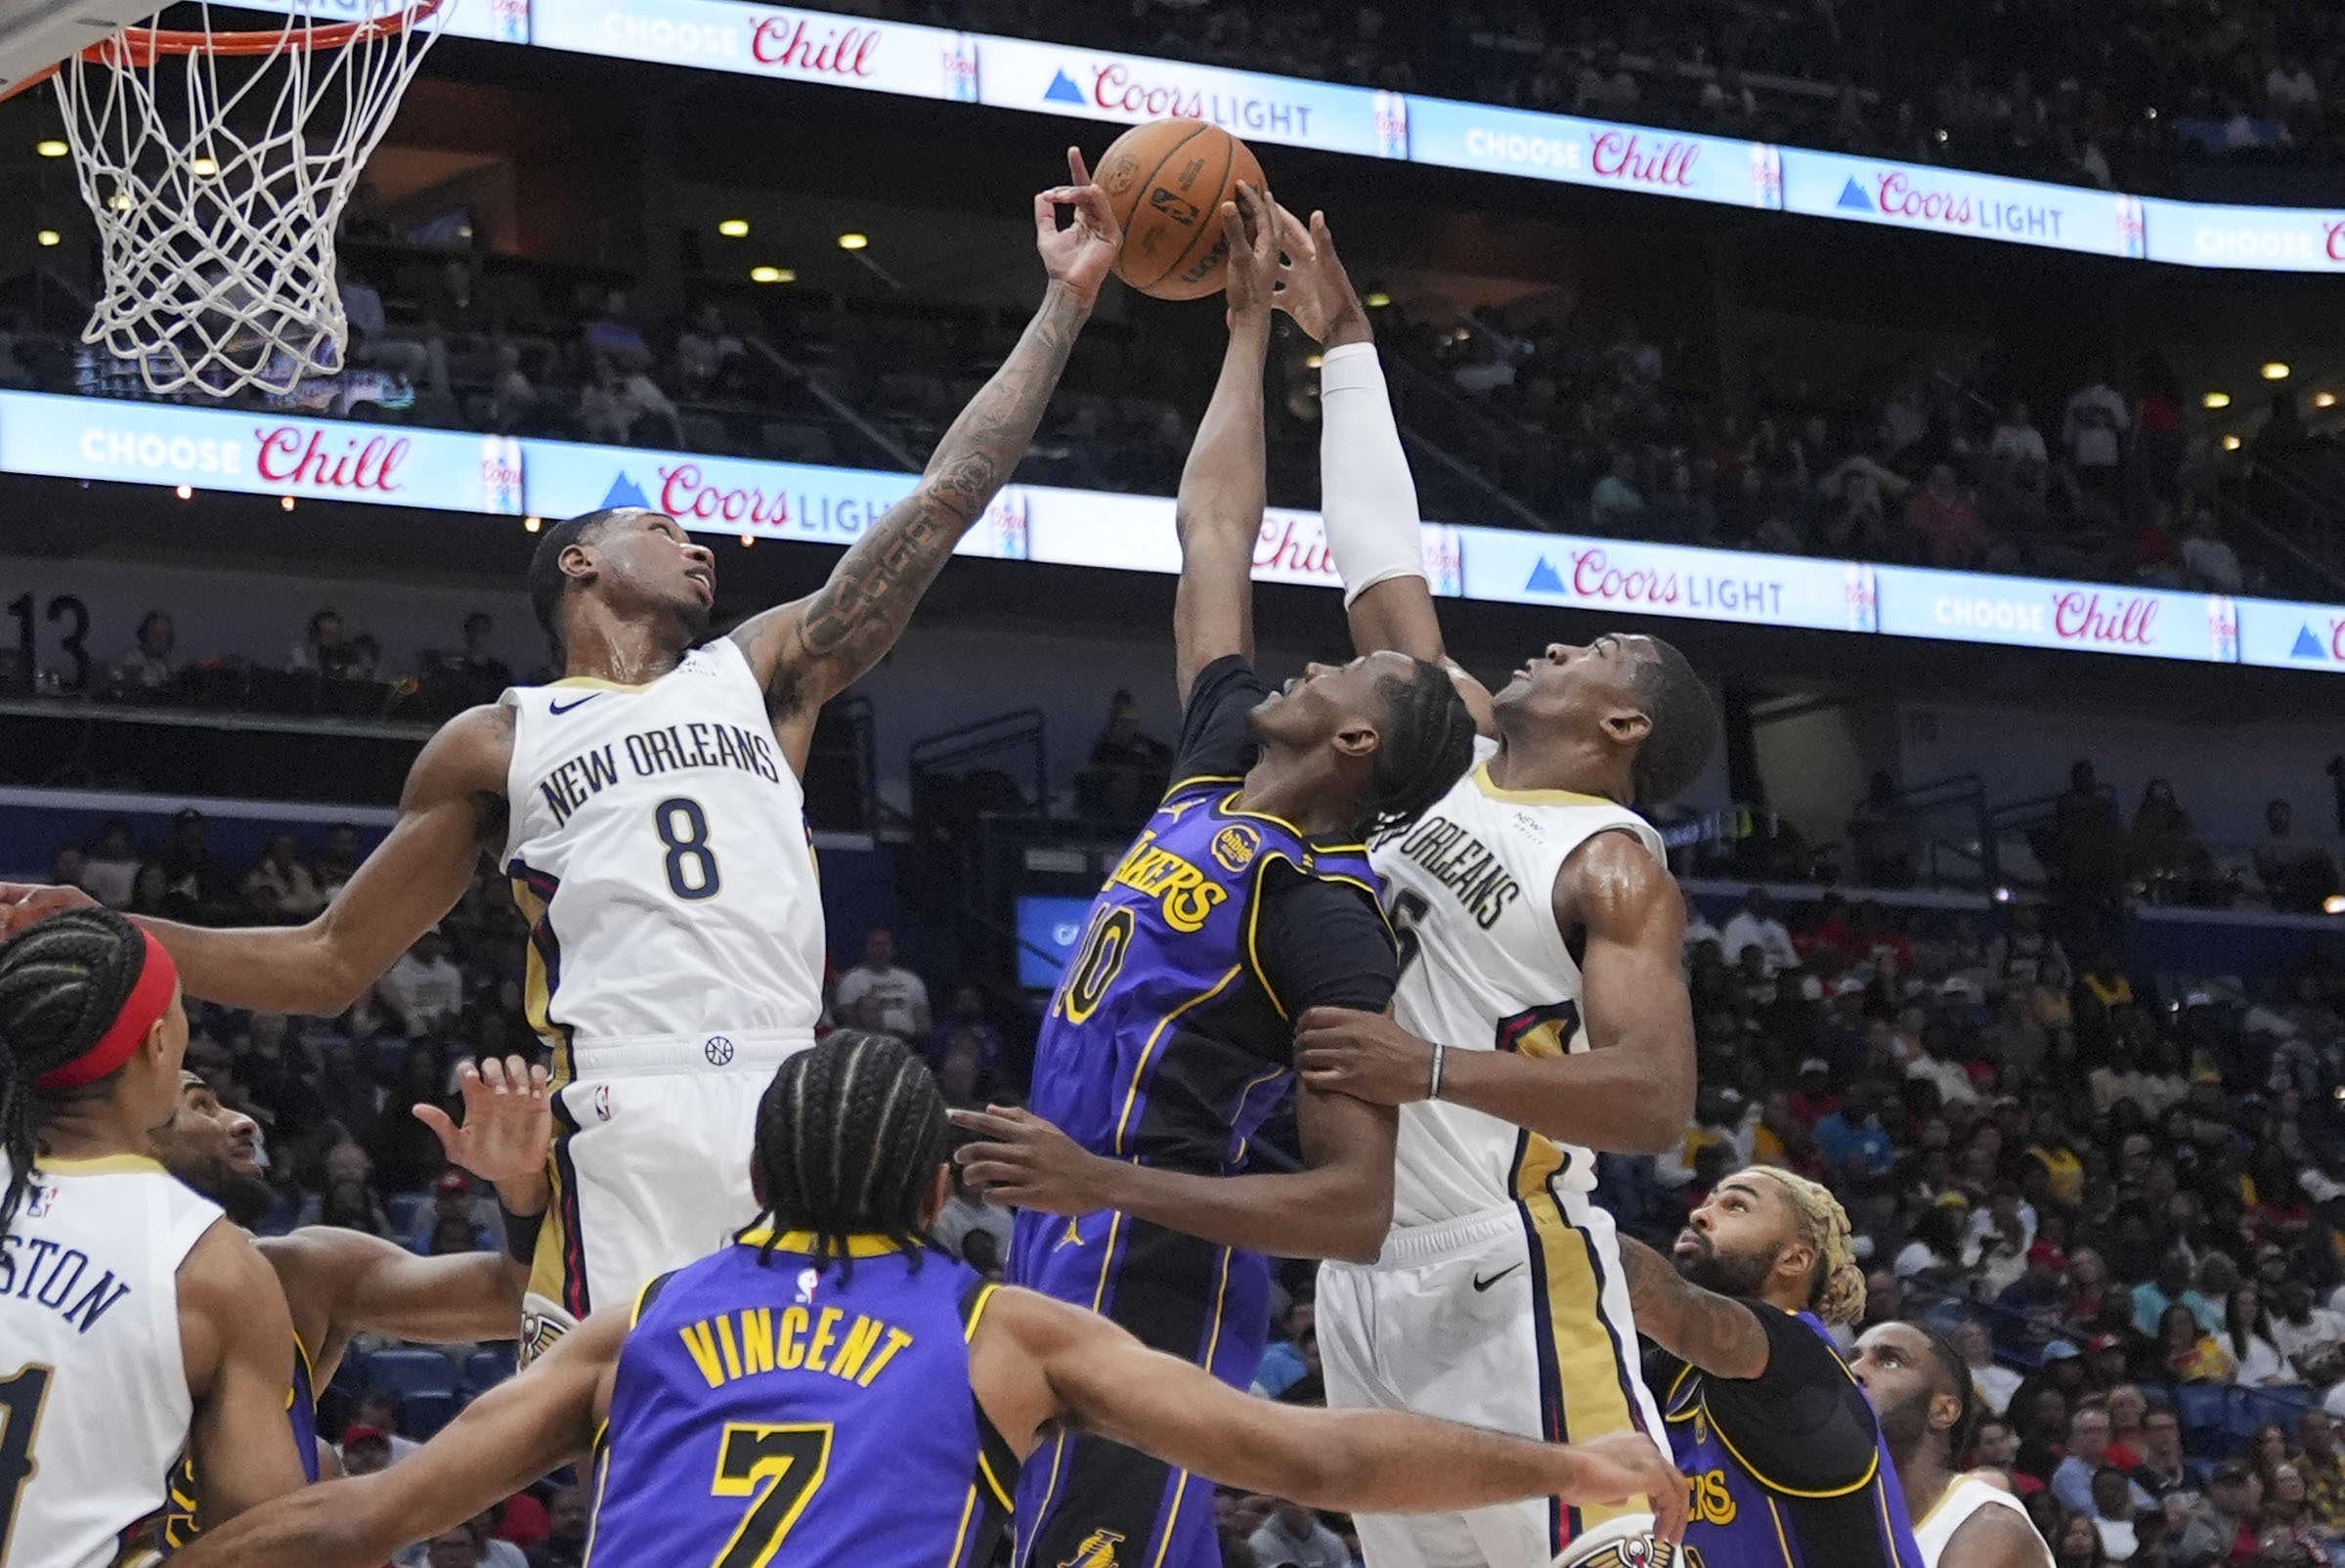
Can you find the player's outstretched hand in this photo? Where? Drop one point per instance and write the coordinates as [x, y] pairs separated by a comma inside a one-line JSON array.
[[1626, 1464], [23, 902], [508, 1121], [1365, 1055], [1080, 256], [1313, 287], [1253, 263], [1026, 1163]]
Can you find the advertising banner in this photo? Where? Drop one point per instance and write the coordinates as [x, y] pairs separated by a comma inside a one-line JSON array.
[[262, 453], [2292, 636], [882, 57], [2031, 613], [503, 21], [1829, 185], [2192, 234], [732, 495], [1640, 579], [1059, 79], [1136, 533], [1577, 151]]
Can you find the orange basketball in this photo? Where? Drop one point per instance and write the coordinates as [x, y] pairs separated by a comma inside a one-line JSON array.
[[1167, 180]]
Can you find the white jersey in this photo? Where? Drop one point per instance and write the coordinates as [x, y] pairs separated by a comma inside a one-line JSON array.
[[1468, 888], [94, 1402], [1965, 1497], [659, 847]]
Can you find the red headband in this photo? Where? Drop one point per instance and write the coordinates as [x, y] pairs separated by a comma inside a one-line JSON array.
[[150, 1000]]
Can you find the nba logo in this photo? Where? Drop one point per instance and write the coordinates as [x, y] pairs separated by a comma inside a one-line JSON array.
[[807, 1279], [40, 1200], [602, 1102]]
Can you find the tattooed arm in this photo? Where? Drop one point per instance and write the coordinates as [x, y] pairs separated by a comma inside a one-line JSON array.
[[807, 652], [1716, 1334]]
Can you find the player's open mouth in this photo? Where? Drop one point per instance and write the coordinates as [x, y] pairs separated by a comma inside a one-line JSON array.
[[1689, 1245], [708, 585]]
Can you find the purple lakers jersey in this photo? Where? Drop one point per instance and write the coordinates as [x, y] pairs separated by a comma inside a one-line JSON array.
[[772, 1412], [1788, 1469], [1166, 1042]]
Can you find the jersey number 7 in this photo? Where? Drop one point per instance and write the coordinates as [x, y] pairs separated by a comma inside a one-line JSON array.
[[779, 1466]]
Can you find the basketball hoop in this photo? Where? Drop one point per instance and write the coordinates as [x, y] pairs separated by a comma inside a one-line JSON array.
[[216, 163]]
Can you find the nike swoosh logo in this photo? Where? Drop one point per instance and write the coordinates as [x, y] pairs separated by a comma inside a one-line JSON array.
[[557, 709], [1480, 1283]]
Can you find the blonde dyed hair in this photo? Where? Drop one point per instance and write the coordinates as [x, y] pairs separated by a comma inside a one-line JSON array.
[[1839, 1294]]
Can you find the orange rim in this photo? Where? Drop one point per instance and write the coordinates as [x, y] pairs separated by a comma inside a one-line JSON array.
[[141, 46]]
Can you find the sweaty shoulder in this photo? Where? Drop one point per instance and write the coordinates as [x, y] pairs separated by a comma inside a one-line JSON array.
[[224, 1286], [1613, 881], [471, 755], [1994, 1536]]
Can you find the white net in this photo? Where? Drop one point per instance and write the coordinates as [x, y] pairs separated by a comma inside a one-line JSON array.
[[216, 176]]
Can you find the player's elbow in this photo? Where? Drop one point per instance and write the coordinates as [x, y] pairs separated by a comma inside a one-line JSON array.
[[1357, 1224], [1657, 1125]]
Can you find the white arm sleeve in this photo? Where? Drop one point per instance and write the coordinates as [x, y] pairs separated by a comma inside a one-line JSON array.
[[1366, 492]]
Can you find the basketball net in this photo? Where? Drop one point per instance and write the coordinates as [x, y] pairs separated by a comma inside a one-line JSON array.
[[216, 164]]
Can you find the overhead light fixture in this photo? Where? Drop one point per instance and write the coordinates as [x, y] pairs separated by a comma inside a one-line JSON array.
[[287, 501], [1378, 299], [119, 202], [203, 168], [772, 275], [2231, 443], [854, 241], [530, 525], [187, 491], [50, 147], [734, 228], [47, 237], [2216, 400], [2275, 370], [2325, 400], [2333, 904], [747, 539]]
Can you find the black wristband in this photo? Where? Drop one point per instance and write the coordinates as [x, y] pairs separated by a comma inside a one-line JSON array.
[[520, 1233]]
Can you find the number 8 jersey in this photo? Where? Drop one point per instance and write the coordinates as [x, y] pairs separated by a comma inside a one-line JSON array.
[[658, 847]]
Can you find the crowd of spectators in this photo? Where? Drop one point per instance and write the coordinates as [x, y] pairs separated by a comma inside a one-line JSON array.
[[2122, 93]]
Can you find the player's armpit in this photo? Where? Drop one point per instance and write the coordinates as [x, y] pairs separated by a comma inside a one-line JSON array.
[[508, 1438], [1994, 1538], [362, 1282], [452, 807], [1095, 1377], [1715, 1333], [237, 1341]]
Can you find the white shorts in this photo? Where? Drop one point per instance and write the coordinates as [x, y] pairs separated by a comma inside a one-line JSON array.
[[1515, 1320], [650, 1169]]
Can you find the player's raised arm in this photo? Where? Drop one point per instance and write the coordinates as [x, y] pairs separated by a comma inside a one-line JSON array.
[[505, 1440], [806, 652], [1097, 1377], [452, 805], [236, 1338], [1715, 1333], [1219, 513], [1368, 497]]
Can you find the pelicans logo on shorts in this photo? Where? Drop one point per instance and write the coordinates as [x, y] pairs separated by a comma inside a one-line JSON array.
[[1625, 1543], [1097, 1550]]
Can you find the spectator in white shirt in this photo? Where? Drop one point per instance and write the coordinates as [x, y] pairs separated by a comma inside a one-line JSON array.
[[876, 994], [110, 871], [2019, 446], [2207, 558], [424, 989], [1755, 925], [2092, 429], [1995, 1383]]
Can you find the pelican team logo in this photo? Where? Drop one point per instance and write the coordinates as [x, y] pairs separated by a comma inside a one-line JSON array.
[[1624, 1543]]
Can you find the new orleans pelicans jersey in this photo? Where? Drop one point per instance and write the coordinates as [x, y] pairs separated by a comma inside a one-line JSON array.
[[94, 1402], [659, 847], [772, 1413], [1484, 968], [1967, 1496]]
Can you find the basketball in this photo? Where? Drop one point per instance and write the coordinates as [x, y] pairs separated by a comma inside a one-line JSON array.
[[1168, 180]]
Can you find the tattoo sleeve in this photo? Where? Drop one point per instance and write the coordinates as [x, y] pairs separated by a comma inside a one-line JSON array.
[[1715, 1333], [856, 616]]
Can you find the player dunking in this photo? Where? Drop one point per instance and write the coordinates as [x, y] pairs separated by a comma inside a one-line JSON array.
[[648, 811], [1540, 1014], [1920, 1388], [135, 1320], [828, 1393], [1786, 1460], [1246, 899]]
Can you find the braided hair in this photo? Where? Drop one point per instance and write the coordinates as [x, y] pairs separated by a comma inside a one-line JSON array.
[[1427, 744], [64, 981], [851, 1134]]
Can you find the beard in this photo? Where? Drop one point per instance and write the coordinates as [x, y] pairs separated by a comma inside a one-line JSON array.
[[246, 1199], [1729, 1274], [1903, 1424]]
